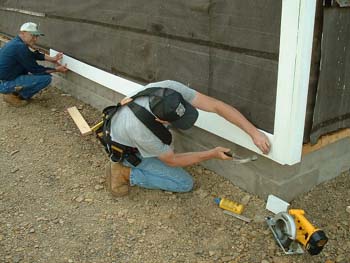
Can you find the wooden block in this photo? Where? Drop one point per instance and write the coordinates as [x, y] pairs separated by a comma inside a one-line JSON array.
[[325, 140], [79, 121]]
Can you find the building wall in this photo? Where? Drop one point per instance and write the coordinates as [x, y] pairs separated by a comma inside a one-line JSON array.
[[332, 106], [227, 48]]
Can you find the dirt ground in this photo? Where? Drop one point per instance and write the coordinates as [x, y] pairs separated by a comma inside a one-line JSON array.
[[54, 206]]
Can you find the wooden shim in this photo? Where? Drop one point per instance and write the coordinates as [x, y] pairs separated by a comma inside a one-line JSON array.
[[79, 121], [325, 140]]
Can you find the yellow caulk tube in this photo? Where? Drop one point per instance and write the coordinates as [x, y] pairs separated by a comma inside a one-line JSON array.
[[229, 205]]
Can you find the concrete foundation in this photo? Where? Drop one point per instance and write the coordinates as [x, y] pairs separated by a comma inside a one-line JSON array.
[[261, 177]]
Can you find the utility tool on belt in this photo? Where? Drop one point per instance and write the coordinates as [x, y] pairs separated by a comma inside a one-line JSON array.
[[294, 233], [119, 152]]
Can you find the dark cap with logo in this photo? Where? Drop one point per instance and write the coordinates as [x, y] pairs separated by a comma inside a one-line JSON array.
[[169, 105]]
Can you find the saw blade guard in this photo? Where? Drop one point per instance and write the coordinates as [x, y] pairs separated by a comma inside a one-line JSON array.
[[285, 228]]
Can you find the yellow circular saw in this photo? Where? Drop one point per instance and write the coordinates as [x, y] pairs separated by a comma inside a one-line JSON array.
[[294, 233]]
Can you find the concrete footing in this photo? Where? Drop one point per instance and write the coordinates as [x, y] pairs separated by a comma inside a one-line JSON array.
[[261, 177]]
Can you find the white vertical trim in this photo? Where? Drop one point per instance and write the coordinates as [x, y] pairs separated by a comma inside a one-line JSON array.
[[302, 77], [292, 85], [293, 78]]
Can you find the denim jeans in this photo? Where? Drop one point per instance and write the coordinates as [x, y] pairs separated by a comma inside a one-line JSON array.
[[152, 173], [31, 84]]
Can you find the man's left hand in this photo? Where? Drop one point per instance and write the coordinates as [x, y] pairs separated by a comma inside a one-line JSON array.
[[262, 142], [61, 68]]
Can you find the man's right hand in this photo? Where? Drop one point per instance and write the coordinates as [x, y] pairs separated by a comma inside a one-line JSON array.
[[219, 153], [189, 158], [126, 100], [57, 58]]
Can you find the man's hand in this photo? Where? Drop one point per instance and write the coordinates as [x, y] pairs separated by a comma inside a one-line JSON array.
[[219, 153], [262, 142], [61, 68], [55, 59], [58, 57], [126, 100]]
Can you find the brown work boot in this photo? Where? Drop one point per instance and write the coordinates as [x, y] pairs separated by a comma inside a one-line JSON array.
[[14, 100], [117, 179]]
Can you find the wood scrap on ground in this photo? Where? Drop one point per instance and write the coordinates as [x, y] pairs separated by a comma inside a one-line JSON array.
[[79, 121]]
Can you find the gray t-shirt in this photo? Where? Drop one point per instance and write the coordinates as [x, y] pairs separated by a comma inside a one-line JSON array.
[[128, 130]]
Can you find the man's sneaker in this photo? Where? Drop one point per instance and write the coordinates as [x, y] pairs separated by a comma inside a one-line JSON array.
[[14, 100], [117, 179]]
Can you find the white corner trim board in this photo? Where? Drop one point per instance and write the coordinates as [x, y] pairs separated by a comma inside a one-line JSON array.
[[292, 85], [297, 24]]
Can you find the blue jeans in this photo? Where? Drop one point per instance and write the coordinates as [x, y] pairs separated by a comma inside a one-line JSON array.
[[152, 173], [31, 84]]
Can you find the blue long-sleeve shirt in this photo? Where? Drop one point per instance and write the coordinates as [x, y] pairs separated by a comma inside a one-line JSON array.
[[17, 59]]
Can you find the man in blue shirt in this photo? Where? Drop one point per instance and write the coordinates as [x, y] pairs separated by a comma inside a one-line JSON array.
[[21, 77]]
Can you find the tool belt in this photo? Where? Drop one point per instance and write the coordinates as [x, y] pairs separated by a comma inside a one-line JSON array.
[[119, 152]]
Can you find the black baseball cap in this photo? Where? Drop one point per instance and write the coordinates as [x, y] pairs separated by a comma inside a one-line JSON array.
[[169, 105]]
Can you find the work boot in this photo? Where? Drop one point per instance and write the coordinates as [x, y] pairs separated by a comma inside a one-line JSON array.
[[18, 89], [117, 179], [14, 100]]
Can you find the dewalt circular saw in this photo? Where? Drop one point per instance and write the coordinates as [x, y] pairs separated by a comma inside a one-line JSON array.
[[294, 233]]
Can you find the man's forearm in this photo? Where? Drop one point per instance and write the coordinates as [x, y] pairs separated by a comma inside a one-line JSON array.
[[53, 70], [48, 58], [232, 115], [190, 158], [60, 68], [235, 117], [224, 110]]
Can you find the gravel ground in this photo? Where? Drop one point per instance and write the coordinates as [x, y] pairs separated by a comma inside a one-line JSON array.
[[54, 207]]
